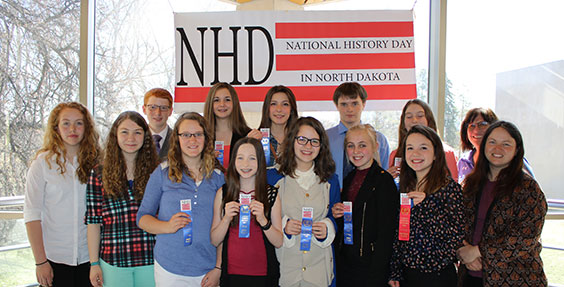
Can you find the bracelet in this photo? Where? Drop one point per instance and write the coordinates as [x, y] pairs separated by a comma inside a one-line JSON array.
[[94, 263], [266, 226], [39, 264], [217, 268]]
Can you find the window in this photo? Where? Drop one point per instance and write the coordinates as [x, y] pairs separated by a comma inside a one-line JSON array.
[[39, 69]]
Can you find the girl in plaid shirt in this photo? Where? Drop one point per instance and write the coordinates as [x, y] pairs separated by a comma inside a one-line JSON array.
[[121, 254]]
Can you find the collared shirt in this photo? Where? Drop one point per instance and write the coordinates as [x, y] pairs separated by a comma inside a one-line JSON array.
[[59, 202], [162, 134], [162, 200], [122, 243], [336, 136]]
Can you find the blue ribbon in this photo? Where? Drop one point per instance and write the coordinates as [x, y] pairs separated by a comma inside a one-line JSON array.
[[348, 226]]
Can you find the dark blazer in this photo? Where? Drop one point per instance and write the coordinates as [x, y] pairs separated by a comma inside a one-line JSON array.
[[166, 145], [375, 213]]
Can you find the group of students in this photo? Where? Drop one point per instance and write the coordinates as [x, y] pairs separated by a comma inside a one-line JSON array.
[[325, 208]]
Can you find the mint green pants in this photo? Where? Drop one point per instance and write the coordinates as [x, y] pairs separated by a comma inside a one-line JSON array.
[[142, 276]]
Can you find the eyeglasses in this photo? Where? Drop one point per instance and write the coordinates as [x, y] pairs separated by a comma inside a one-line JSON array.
[[480, 125], [153, 108], [303, 141], [186, 136]]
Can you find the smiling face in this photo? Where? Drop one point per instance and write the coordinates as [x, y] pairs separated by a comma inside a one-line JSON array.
[[71, 127], [130, 137], [246, 161], [419, 154], [192, 146], [279, 110], [414, 115], [306, 154], [360, 150], [500, 149], [222, 104], [157, 118], [350, 110], [476, 132]]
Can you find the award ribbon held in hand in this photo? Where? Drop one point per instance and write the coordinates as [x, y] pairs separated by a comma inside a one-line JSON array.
[[348, 226], [266, 144], [405, 214], [307, 222], [244, 215], [186, 207], [219, 148]]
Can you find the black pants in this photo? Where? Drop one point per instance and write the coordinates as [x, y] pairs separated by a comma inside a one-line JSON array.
[[471, 281], [415, 278], [71, 276]]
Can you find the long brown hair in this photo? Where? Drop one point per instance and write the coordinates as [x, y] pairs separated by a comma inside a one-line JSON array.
[[324, 164], [176, 164], [89, 152], [437, 176], [265, 121], [487, 114], [237, 120], [233, 180], [509, 178], [402, 130], [114, 171]]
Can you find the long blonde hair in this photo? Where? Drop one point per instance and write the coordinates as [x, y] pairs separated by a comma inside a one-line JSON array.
[[89, 152], [176, 164]]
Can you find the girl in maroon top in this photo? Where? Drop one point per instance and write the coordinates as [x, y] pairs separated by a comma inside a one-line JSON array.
[[248, 261]]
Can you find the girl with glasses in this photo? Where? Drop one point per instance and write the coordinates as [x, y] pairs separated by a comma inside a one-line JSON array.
[[308, 186], [178, 207], [55, 196], [472, 130], [248, 261], [279, 113], [417, 112], [505, 211], [113, 196]]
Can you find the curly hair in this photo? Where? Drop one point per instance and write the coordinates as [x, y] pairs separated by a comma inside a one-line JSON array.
[[237, 120], [177, 166], [233, 180], [114, 171], [265, 121], [89, 152], [437, 176], [324, 164], [402, 130]]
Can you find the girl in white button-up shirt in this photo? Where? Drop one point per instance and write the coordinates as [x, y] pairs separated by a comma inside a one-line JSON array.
[[55, 196]]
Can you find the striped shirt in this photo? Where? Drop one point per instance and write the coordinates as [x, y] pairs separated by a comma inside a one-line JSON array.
[[122, 243]]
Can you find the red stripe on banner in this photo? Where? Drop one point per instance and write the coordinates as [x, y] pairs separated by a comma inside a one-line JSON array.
[[345, 61], [309, 93], [344, 30]]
